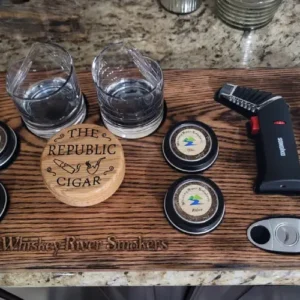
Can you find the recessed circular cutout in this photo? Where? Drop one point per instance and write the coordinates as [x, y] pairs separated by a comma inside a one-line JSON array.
[[260, 234], [287, 235]]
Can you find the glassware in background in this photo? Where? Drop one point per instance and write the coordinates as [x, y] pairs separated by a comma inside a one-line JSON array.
[[130, 91], [45, 89], [247, 14], [181, 6]]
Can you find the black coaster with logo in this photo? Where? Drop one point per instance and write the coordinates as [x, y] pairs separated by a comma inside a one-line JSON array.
[[194, 205], [8, 145], [190, 146], [8, 151]]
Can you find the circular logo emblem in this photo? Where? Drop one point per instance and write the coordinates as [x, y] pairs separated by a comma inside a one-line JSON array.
[[195, 202], [83, 165], [190, 143]]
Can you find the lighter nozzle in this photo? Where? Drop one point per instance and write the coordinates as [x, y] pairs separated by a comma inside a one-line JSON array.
[[227, 90]]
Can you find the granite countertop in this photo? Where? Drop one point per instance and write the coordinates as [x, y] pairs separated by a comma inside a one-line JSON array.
[[198, 40], [150, 278]]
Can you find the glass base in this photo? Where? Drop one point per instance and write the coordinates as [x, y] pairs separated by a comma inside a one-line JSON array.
[[134, 133], [244, 26], [48, 133]]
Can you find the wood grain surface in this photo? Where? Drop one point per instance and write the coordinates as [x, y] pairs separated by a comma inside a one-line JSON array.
[[136, 210]]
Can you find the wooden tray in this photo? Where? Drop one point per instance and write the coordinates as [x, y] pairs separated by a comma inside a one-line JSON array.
[[36, 221]]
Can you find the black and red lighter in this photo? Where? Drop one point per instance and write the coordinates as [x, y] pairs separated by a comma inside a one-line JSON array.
[[271, 126]]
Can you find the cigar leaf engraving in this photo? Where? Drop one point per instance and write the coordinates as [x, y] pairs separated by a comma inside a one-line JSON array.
[[66, 167]]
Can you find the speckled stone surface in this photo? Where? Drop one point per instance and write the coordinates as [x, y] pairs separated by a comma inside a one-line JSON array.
[[150, 278], [197, 40]]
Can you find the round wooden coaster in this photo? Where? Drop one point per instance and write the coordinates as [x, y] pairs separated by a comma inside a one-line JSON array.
[[83, 165]]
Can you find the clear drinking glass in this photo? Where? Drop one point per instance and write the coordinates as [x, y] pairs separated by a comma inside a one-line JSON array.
[[247, 14], [45, 89], [181, 6], [130, 91]]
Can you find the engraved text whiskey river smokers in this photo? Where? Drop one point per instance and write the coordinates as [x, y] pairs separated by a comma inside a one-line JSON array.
[[75, 244]]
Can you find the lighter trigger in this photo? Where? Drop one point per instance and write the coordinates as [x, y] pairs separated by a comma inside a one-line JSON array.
[[254, 125]]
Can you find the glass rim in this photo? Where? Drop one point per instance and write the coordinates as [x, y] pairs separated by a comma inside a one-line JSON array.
[[109, 95], [53, 93]]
